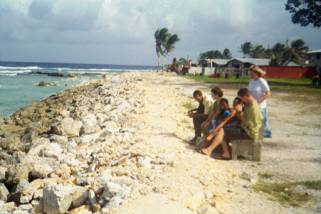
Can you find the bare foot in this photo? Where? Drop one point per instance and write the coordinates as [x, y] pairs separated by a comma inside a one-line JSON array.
[[192, 142], [224, 157], [206, 152]]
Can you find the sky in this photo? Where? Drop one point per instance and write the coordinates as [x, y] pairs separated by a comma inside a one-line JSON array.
[[122, 31]]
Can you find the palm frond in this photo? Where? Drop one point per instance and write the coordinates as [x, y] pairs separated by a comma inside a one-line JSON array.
[[171, 40]]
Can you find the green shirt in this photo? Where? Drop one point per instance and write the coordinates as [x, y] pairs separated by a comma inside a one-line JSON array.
[[216, 105], [252, 120]]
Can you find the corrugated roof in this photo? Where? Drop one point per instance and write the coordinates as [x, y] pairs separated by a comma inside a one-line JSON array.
[[292, 64], [315, 51], [254, 61], [220, 61]]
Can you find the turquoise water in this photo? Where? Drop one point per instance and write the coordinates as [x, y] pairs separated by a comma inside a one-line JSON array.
[[18, 80], [21, 90]]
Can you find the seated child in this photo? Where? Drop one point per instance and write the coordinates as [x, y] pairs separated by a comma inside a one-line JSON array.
[[224, 111], [227, 117]]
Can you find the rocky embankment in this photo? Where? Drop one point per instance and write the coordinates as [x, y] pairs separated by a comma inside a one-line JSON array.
[[75, 151]]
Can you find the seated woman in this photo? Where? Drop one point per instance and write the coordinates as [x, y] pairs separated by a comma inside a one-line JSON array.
[[251, 122]]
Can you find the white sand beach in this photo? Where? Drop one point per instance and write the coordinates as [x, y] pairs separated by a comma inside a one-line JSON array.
[[119, 145]]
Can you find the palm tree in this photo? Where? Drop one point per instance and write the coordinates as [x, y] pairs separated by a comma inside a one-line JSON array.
[[246, 48], [165, 42], [298, 51], [257, 52], [227, 54], [212, 54], [161, 36], [171, 40], [278, 51], [182, 61], [284, 53]]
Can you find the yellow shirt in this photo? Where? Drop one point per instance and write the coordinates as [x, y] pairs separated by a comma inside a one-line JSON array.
[[252, 120]]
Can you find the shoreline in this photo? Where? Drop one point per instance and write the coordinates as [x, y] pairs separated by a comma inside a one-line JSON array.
[[118, 144], [27, 90]]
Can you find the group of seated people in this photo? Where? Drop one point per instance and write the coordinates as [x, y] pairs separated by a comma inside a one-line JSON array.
[[221, 123]]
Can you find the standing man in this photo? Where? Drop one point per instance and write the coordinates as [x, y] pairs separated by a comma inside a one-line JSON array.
[[260, 90], [201, 113]]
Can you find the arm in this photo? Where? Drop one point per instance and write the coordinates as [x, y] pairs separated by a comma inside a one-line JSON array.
[[212, 116], [265, 96], [199, 115], [222, 124], [195, 109], [267, 91], [240, 116]]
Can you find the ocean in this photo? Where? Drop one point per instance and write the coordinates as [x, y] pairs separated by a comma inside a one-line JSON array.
[[18, 80]]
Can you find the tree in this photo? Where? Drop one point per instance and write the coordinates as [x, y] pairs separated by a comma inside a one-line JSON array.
[[246, 48], [278, 51], [305, 12], [165, 42], [227, 54], [171, 40], [212, 54], [182, 61], [257, 52], [296, 52], [282, 54]]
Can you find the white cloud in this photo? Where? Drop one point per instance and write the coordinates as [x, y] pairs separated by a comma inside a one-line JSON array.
[[118, 29]]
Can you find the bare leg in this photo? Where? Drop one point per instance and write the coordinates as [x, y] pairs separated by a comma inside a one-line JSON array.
[[226, 153], [217, 141]]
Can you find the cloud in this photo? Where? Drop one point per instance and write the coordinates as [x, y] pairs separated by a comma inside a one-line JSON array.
[[114, 30]]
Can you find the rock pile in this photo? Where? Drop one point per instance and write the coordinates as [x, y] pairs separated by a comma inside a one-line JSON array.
[[75, 151]]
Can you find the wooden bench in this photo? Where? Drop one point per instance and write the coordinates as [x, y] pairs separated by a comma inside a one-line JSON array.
[[248, 149]]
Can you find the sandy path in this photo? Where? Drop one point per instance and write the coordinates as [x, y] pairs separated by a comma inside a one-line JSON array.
[[201, 183]]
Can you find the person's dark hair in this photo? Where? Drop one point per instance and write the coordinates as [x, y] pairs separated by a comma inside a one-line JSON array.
[[217, 91], [224, 100], [197, 93], [243, 92], [237, 101]]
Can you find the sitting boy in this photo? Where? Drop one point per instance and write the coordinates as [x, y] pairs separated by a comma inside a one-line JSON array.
[[200, 114], [217, 95], [251, 123]]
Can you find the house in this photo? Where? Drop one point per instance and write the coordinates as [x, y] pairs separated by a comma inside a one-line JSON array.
[[247, 62], [315, 59], [240, 66], [213, 62]]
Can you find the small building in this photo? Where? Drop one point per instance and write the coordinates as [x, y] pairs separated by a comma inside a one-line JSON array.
[[240, 66], [241, 63], [213, 62], [315, 60]]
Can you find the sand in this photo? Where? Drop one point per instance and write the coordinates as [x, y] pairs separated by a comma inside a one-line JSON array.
[[148, 149], [293, 154]]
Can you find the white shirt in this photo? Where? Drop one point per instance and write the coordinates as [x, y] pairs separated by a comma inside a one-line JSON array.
[[208, 104], [258, 88]]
